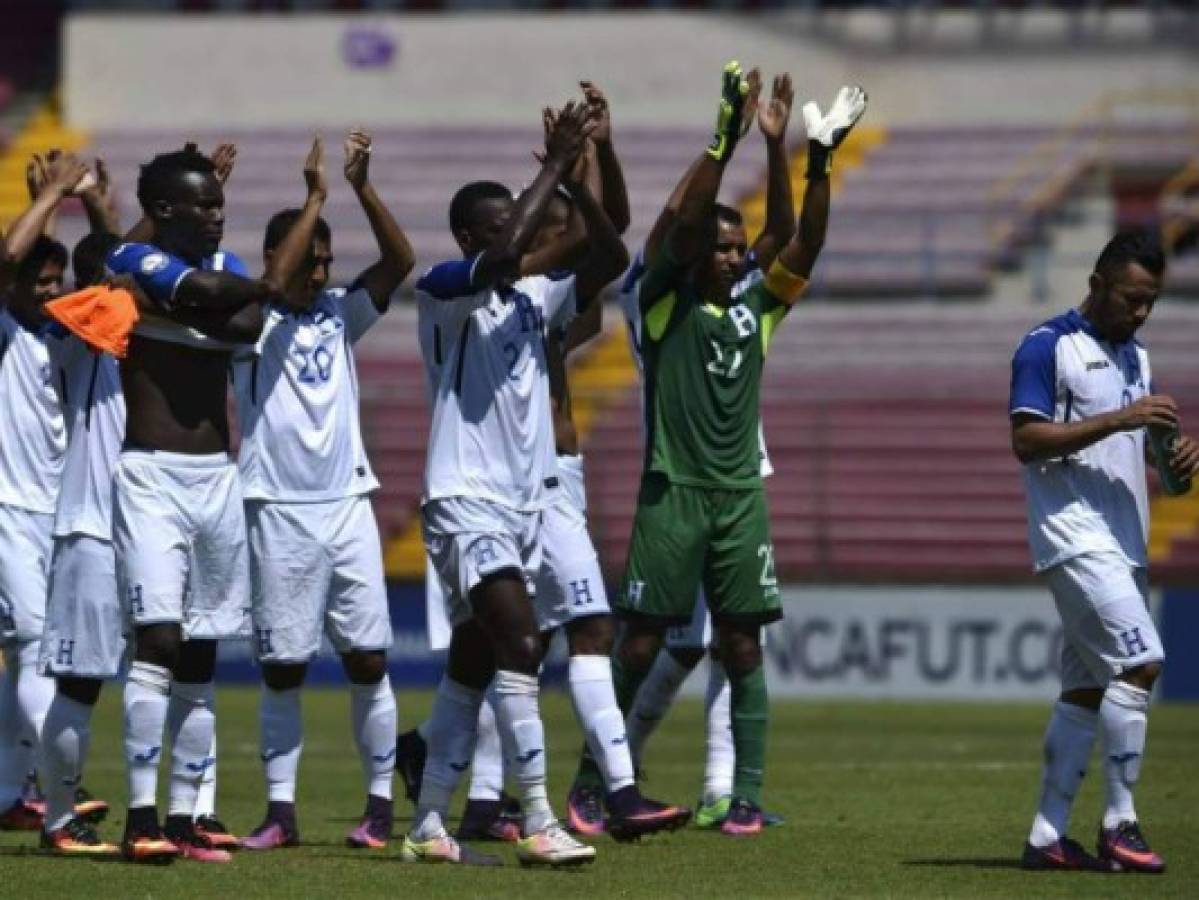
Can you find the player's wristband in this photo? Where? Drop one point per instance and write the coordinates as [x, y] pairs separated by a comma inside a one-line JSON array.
[[820, 161]]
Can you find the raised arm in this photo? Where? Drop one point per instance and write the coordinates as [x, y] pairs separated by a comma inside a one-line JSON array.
[[825, 134], [99, 204], [396, 257], [287, 258], [686, 239], [773, 117], [615, 194], [63, 175], [606, 254], [502, 260]]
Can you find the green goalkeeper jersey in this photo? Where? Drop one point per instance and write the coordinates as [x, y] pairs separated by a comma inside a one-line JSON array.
[[703, 374]]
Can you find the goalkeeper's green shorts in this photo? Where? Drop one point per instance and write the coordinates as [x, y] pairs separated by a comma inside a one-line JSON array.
[[684, 536]]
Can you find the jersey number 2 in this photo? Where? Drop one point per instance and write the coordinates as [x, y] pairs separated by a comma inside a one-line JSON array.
[[725, 366]]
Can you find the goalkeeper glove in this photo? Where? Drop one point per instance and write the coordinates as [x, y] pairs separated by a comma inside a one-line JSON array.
[[733, 90], [826, 132]]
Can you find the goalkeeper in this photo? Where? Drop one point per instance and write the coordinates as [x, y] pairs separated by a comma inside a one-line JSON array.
[[701, 509]]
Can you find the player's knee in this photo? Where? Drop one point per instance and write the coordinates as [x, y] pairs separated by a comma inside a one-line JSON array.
[[81, 690], [158, 645], [687, 657], [471, 659], [283, 677], [197, 662], [740, 648], [365, 667], [592, 636], [519, 653], [639, 644]]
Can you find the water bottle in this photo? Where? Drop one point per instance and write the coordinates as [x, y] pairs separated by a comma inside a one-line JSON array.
[[1162, 440]]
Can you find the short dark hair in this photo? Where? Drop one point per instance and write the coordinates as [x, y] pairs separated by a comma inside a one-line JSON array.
[[158, 176], [462, 207], [87, 259], [728, 214], [1141, 247], [281, 223], [44, 250]]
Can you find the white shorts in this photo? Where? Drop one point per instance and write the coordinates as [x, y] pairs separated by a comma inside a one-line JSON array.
[[437, 619], [179, 530], [570, 584], [26, 545], [1106, 625], [316, 567], [86, 630], [468, 539]]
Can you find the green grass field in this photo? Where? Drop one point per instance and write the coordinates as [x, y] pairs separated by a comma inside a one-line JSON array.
[[880, 799]]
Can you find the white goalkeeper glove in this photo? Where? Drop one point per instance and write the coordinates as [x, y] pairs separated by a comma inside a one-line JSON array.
[[827, 131]]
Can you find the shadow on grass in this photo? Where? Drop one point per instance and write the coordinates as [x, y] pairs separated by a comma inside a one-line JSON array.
[[967, 862], [37, 853]]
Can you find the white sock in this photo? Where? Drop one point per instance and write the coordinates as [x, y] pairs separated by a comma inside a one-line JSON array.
[[1068, 741], [206, 798], [192, 723], [721, 759], [453, 723], [373, 715], [653, 700], [146, 691], [13, 757], [519, 720], [281, 738], [1123, 718], [34, 693], [487, 767], [594, 700], [65, 737]]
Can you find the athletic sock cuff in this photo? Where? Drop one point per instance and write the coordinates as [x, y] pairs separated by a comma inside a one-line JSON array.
[[587, 667], [508, 682], [151, 677]]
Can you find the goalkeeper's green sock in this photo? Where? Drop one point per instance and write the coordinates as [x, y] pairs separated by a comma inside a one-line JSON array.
[[749, 704]]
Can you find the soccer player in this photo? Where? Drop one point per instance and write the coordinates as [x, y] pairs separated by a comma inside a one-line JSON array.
[[701, 511], [316, 560], [32, 448], [686, 645], [490, 474], [1082, 399], [178, 521]]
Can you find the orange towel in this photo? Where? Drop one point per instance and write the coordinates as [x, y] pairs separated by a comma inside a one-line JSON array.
[[102, 317]]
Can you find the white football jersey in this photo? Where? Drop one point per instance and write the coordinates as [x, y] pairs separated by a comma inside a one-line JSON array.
[[94, 405], [491, 435], [1097, 499], [297, 400], [33, 437], [631, 308]]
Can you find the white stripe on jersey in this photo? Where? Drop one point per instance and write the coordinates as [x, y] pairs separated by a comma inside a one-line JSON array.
[[297, 398], [631, 308], [491, 435], [95, 418], [33, 437]]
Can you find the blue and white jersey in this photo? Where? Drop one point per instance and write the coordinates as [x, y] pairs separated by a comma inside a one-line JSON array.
[[94, 407], [1096, 499], [491, 435], [159, 274], [33, 437], [297, 400], [630, 306]]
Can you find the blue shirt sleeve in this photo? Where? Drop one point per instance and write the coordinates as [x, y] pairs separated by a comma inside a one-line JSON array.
[[157, 273], [1034, 375], [229, 262], [449, 280]]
